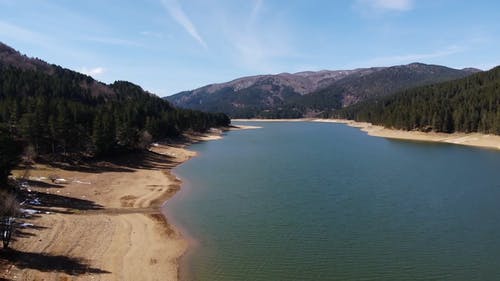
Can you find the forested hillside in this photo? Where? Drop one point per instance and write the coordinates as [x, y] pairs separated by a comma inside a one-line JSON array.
[[308, 94], [471, 104], [59, 111]]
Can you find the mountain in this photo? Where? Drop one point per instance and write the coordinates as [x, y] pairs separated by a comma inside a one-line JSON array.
[[470, 104], [309, 93], [60, 112], [11, 57]]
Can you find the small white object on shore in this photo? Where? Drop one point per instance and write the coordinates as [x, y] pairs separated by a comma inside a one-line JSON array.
[[60, 181]]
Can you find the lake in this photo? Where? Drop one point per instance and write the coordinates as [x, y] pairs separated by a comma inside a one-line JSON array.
[[321, 201]]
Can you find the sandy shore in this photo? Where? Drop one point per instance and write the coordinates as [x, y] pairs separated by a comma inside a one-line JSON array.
[[275, 120], [473, 139], [101, 221]]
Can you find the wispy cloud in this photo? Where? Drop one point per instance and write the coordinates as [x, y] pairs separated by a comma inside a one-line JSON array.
[[416, 57], [177, 13], [153, 34], [256, 9], [369, 7], [112, 41], [259, 43], [94, 72], [12, 31], [17, 33], [397, 5], [260, 52]]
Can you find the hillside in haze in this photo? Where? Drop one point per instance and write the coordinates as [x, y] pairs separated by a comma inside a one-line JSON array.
[[471, 104], [60, 111], [310, 93]]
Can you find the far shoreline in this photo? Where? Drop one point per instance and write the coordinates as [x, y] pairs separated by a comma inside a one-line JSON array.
[[469, 139], [273, 120]]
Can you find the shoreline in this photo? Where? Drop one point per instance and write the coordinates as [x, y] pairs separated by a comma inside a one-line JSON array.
[[190, 239], [273, 120], [105, 221], [469, 139], [191, 242]]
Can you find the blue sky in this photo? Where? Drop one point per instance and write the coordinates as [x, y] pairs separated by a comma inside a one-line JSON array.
[[168, 46]]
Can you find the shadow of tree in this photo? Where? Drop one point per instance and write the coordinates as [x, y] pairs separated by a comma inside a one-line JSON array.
[[48, 263], [97, 168], [41, 184], [22, 234], [146, 160], [59, 201], [88, 167], [125, 162]]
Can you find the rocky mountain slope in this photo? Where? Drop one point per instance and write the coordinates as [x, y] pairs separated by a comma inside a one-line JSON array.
[[310, 93]]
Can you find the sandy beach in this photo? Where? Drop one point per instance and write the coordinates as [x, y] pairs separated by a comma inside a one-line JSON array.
[[275, 120], [101, 221], [471, 139]]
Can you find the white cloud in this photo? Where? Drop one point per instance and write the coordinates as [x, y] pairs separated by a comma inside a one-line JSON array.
[[177, 13], [380, 6], [96, 71], [488, 66], [416, 57]]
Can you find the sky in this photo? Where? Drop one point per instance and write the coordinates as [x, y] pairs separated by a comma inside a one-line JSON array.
[[168, 46]]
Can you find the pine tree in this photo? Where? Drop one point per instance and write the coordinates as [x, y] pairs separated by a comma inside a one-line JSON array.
[[10, 152]]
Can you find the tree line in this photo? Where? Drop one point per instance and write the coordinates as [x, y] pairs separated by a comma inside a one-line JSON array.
[[470, 104], [55, 112], [59, 113]]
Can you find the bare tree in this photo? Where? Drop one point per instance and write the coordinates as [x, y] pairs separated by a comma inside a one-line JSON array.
[[9, 206], [29, 155], [9, 209], [145, 140]]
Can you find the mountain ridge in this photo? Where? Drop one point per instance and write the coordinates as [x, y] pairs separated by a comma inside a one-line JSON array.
[[310, 92], [11, 57], [470, 104]]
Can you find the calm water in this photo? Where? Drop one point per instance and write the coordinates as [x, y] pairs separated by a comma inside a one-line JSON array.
[[316, 201]]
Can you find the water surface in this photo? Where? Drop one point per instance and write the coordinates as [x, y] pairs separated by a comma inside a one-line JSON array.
[[319, 201]]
